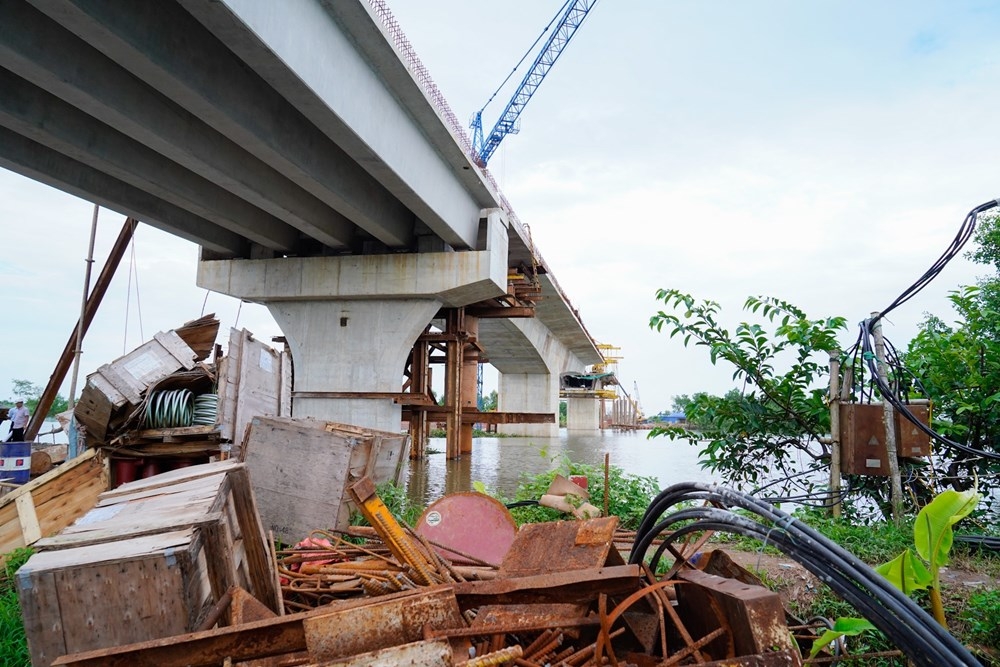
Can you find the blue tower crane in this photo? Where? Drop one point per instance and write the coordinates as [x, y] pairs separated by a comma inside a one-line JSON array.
[[570, 17]]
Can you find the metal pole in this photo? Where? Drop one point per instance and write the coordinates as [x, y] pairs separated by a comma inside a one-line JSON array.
[[889, 419], [83, 310], [835, 433]]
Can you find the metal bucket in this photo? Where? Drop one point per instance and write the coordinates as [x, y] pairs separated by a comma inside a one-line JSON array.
[[15, 462]]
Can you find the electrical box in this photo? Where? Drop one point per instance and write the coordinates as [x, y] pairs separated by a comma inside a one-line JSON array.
[[910, 439], [862, 438]]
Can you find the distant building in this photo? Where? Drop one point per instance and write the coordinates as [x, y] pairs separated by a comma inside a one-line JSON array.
[[671, 417]]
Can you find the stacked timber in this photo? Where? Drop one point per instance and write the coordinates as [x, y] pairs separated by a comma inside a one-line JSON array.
[[152, 559]]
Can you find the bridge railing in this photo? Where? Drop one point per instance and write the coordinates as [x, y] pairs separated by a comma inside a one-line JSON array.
[[423, 78]]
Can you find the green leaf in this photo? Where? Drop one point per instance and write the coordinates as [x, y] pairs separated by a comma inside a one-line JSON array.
[[906, 572], [479, 487], [844, 626], [932, 533]]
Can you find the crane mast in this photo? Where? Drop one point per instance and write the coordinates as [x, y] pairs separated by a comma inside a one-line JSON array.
[[575, 12]]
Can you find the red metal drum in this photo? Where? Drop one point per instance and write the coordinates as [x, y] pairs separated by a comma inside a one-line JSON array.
[[473, 524]]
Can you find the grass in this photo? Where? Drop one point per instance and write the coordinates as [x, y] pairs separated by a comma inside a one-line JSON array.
[[13, 643]]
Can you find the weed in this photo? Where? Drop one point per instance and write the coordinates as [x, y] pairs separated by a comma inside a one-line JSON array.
[[628, 495], [982, 618], [398, 503], [13, 642]]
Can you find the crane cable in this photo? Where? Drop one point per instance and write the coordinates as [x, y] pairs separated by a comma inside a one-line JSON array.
[[526, 54]]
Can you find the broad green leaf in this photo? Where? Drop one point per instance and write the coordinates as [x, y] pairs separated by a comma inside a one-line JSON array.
[[932, 533], [906, 572], [844, 626]]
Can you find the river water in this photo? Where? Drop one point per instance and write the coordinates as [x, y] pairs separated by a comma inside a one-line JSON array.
[[499, 463]]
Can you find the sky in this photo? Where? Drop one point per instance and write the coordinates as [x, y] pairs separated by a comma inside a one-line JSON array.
[[824, 153]]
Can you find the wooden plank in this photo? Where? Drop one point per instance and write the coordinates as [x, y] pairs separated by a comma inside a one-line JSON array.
[[299, 474], [191, 473], [43, 624], [128, 386], [117, 531], [30, 530], [259, 382], [176, 348], [178, 432], [260, 567], [228, 379], [59, 497]]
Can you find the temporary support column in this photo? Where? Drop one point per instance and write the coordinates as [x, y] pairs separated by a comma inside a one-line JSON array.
[[470, 378], [420, 383], [453, 382]]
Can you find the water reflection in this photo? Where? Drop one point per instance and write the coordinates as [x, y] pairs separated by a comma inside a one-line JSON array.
[[499, 463]]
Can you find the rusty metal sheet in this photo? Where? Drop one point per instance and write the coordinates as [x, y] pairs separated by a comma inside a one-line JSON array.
[[380, 624], [432, 653], [559, 546], [523, 617], [473, 524], [754, 616], [573, 587]]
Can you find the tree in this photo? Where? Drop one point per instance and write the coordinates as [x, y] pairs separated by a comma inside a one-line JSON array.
[[30, 393], [490, 402], [757, 434]]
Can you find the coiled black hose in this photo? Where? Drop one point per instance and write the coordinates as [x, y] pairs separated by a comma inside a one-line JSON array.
[[912, 629]]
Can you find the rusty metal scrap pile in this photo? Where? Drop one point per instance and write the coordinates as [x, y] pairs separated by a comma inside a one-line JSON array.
[[562, 595]]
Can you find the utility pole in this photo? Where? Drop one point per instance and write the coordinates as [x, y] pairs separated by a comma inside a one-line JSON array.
[[835, 433], [889, 419]]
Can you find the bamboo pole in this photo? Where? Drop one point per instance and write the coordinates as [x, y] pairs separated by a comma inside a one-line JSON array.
[[835, 433], [889, 419], [83, 309]]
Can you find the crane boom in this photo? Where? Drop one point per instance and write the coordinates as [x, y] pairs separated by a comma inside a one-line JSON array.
[[576, 11]]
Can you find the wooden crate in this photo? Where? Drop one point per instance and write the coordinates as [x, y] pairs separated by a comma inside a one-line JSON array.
[[254, 380], [49, 503], [149, 561], [115, 387], [301, 470]]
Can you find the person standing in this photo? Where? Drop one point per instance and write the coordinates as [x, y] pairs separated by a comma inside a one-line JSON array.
[[19, 416]]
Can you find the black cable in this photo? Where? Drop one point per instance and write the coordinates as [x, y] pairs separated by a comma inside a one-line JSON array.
[[912, 629], [864, 345]]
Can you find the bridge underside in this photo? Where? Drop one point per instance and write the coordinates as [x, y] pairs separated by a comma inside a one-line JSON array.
[[277, 136], [220, 122]]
